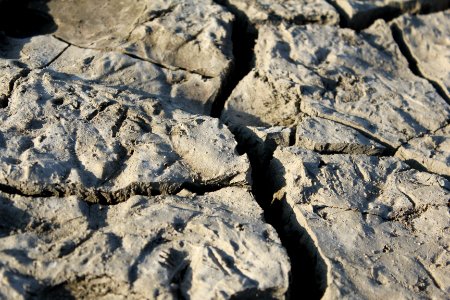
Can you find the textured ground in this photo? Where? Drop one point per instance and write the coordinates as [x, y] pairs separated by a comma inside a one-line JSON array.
[[228, 149]]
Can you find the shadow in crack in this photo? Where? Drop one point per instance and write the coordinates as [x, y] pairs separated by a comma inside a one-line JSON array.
[[19, 20], [308, 278], [12, 218], [61, 291], [18, 23], [412, 62], [244, 36], [309, 270]]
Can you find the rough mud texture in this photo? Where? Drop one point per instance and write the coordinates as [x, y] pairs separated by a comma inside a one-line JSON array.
[[360, 80], [380, 227], [18, 56], [187, 34], [372, 226], [274, 11], [322, 135], [31, 53], [224, 149], [431, 152], [189, 91], [189, 41], [70, 137], [214, 246], [426, 41], [360, 14], [83, 125]]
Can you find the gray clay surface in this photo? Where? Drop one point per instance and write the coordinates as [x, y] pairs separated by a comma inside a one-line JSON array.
[[73, 138], [267, 11], [213, 246], [426, 39], [359, 80], [227, 149], [361, 13], [380, 227]]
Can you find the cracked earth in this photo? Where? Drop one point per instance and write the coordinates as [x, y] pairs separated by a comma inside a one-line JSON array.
[[227, 149]]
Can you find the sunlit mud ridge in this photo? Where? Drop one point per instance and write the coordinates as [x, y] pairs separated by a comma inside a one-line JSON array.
[[226, 149]]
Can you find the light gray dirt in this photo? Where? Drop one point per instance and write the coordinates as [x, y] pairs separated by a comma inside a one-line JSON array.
[[360, 14], [299, 12], [214, 246], [116, 183], [359, 80], [431, 152], [187, 34], [188, 41], [380, 227], [189, 91], [18, 56], [71, 137], [322, 135], [427, 40]]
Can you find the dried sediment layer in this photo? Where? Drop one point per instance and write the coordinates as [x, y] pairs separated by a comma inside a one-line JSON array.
[[32, 53], [63, 136], [360, 14], [18, 56], [187, 42], [299, 12], [214, 246], [188, 91], [322, 135], [359, 80], [187, 34], [380, 227], [426, 38], [431, 152]]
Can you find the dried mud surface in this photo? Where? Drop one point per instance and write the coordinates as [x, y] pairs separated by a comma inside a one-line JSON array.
[[227, 149]]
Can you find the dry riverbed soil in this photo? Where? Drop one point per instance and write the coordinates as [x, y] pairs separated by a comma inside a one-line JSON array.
[[227, 149]]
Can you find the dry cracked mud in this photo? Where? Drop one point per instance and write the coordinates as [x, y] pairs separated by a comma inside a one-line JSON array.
[[224, 149]]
